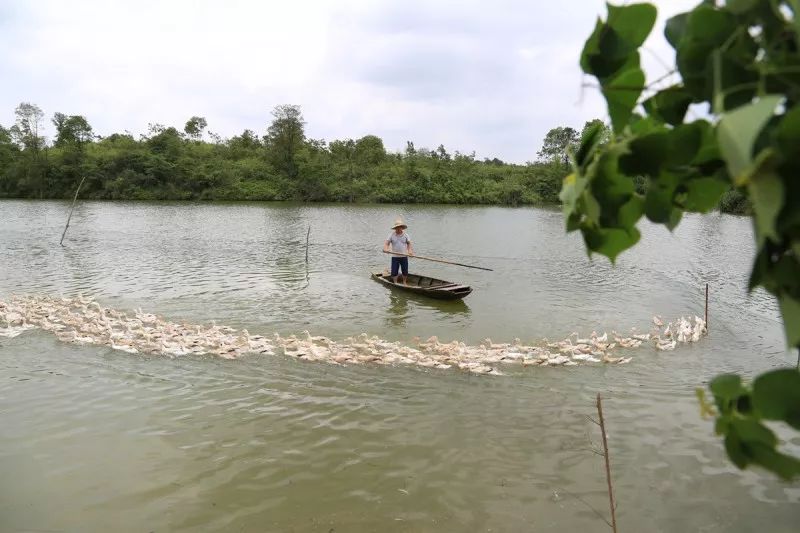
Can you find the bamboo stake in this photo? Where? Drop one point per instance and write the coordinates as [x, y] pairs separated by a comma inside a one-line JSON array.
[[706, 316], [437, 260], [308, 233], [61, 242], [608, 465]]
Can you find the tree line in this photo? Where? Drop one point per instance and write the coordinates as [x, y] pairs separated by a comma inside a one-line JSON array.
[[194, 163]]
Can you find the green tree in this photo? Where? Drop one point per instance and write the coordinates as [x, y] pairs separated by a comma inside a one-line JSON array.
[[72, 134], [285, 137], [556, 145], [741, 59], [26, 133], [26, 130], [194, 127], [369, 150], [9, 153], [71, 130]]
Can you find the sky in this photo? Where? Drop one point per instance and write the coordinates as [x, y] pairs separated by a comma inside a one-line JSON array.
[[489, 77]]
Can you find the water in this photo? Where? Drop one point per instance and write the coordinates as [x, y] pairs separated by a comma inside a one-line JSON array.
[[94, 439]]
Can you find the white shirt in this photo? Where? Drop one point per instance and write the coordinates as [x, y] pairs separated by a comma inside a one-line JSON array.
[[399, 243]]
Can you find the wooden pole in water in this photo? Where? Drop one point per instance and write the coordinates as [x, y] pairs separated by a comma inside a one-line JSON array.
[[61, 242], [308, 233], [706, 315], [608, 465]]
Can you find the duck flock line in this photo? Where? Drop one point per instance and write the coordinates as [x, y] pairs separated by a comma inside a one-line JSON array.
[[83, 320]]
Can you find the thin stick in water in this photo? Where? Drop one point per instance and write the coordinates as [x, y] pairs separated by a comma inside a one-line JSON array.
[[308, 233], [608, 465], [706, 315], [61, 242]]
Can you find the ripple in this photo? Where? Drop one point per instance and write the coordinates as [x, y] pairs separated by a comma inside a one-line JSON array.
[[93, 438]]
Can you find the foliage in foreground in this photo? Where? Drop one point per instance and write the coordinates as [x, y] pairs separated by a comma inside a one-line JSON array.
[[742, 60]]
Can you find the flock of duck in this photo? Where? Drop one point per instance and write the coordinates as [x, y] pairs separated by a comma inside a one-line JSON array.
[[83, 320]]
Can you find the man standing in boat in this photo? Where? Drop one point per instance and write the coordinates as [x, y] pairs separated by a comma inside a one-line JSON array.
[[400, 243]]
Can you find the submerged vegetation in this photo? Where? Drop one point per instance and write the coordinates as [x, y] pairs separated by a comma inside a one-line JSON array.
[[192, 163]]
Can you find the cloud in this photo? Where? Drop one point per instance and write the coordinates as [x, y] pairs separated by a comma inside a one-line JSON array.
[[469, 75]]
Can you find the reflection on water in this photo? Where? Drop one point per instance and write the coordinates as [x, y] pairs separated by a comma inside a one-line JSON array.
[[94, 439], [398, 309]]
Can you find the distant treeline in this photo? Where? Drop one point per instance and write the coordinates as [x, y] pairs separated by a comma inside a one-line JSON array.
[[194, 164]]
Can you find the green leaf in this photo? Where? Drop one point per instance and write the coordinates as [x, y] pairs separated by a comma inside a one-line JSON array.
[[610, 242], [693, 63], [590, 207], [571, 189], [736, 452], [658, 203], [631, 211], [796, 11], [591, 138], [783, 465], [610, 187], [766, 195], [591, 47], [622, 92], [709, 148], [726, 387], [709, 25], [739, 7], [723, 424], [738, 82], [640, 126], [613, 46], [603, 53], [633, 22], [669, 105], [738, 130], [790, 311], [675, 29], [789, 131], [674, 219], [752, 431], [704, 194], [646, 154], [685, 141], [573, 222], [776, 396]]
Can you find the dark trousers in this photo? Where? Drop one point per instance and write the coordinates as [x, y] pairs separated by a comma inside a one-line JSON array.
[[399, 263]]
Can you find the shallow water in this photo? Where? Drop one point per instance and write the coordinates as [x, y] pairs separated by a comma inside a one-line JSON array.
[[94, 438]]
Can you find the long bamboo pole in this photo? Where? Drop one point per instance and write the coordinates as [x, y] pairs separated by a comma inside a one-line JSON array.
[[608, 466], [438, 260], [61, 242]]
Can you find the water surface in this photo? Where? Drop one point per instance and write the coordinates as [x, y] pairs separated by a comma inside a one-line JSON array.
[[95, 439]]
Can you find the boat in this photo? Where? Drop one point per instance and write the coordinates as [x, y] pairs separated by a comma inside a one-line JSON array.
[[432, 287]]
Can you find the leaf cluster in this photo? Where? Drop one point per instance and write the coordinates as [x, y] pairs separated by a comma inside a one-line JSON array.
[[773, 396], [740, 61]]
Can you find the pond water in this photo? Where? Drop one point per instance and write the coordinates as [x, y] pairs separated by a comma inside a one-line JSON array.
[[94, 439]]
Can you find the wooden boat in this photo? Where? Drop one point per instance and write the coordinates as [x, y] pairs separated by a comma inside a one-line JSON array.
[[435, 288]]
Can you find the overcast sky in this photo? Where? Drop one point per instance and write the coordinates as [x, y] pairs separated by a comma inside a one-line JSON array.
[[492, 77]]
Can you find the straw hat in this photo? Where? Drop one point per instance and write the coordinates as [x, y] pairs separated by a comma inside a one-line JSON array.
[[399, 223]]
